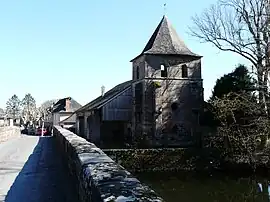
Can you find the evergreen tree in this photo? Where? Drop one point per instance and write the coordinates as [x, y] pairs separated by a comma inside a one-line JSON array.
[[29, 107], [13, 107], [238, 81]]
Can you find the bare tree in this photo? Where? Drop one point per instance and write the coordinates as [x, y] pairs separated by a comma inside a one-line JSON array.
[[243, 127], [241, 27], [2, 112], [44, 108]]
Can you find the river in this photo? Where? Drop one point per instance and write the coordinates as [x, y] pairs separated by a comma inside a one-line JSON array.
[[190, 187]]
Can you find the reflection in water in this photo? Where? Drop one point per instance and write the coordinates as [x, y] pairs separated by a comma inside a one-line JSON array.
[[261, 189], [268, 191], [205, 188]]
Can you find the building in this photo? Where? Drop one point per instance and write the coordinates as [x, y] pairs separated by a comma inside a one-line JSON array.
[[9, 121], [62, 113], [160, 105], [107, 119]]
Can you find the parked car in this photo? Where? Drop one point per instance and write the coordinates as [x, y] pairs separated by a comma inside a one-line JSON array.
[[31, 130], [40, 132], [24, 130]]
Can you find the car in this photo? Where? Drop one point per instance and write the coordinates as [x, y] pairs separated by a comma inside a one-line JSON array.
[[24, 131], [40, 132], [31, 130]]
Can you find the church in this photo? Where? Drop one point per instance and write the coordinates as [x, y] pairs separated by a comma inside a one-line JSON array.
[[159, 106]]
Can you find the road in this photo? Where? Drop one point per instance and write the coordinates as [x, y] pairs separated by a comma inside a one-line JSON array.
[[32, 170]]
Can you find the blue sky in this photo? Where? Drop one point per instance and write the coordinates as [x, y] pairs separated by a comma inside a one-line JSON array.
[[53, 49]]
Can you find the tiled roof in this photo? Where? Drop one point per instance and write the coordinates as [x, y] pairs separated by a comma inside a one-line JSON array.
[[74, 105], [71, 118], [107, 96], [166, 41]]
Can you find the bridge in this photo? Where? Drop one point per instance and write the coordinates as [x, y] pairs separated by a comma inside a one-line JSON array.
[[62, 167]]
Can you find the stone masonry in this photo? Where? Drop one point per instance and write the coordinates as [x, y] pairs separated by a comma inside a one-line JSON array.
[[9, 132], [167, 87], [97, 177]]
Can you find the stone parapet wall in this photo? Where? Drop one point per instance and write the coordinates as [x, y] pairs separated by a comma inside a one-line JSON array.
[[97, 177], [9, 132]]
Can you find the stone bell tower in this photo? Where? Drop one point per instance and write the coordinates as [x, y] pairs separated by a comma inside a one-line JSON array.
[[167, 87]]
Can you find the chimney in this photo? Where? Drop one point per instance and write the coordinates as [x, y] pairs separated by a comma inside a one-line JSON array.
[[68, 104], [102, 90]]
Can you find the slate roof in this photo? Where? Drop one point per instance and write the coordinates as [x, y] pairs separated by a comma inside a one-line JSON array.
[[165, 41], [99, 101], [61, 104]]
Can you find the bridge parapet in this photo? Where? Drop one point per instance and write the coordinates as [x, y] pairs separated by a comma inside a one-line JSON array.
[[9, 132], [97, 177]]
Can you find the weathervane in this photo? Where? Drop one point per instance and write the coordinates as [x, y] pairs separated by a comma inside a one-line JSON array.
[[165, 8]]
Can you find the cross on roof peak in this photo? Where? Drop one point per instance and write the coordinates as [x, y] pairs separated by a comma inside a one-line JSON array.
[[164, 8]]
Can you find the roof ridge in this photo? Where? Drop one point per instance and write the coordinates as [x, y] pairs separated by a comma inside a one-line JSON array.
[[115, 90]]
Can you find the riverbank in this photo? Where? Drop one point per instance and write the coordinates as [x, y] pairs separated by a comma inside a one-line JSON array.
[[186, 159], [163, 159]]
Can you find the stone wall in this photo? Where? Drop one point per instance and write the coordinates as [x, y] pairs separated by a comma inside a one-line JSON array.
[[97, 176], [9, 132], [171, 110]]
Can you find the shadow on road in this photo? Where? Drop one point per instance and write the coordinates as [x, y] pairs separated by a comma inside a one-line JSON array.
[[43, 177], [10, 167]]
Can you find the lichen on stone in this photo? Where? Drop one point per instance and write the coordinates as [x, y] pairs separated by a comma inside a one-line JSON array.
[[98, 176]]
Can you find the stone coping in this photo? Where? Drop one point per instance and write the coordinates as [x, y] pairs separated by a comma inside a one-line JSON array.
[[97, 176], [147, 149], [7, 128]]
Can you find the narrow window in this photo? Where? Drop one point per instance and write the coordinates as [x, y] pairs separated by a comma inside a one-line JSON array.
[[184, 71], [138, 72], [164, 72]]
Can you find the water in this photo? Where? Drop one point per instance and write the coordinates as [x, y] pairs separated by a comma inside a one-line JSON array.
[[187, 187]]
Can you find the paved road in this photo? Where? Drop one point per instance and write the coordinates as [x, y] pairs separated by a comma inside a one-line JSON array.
[[32, 170]]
